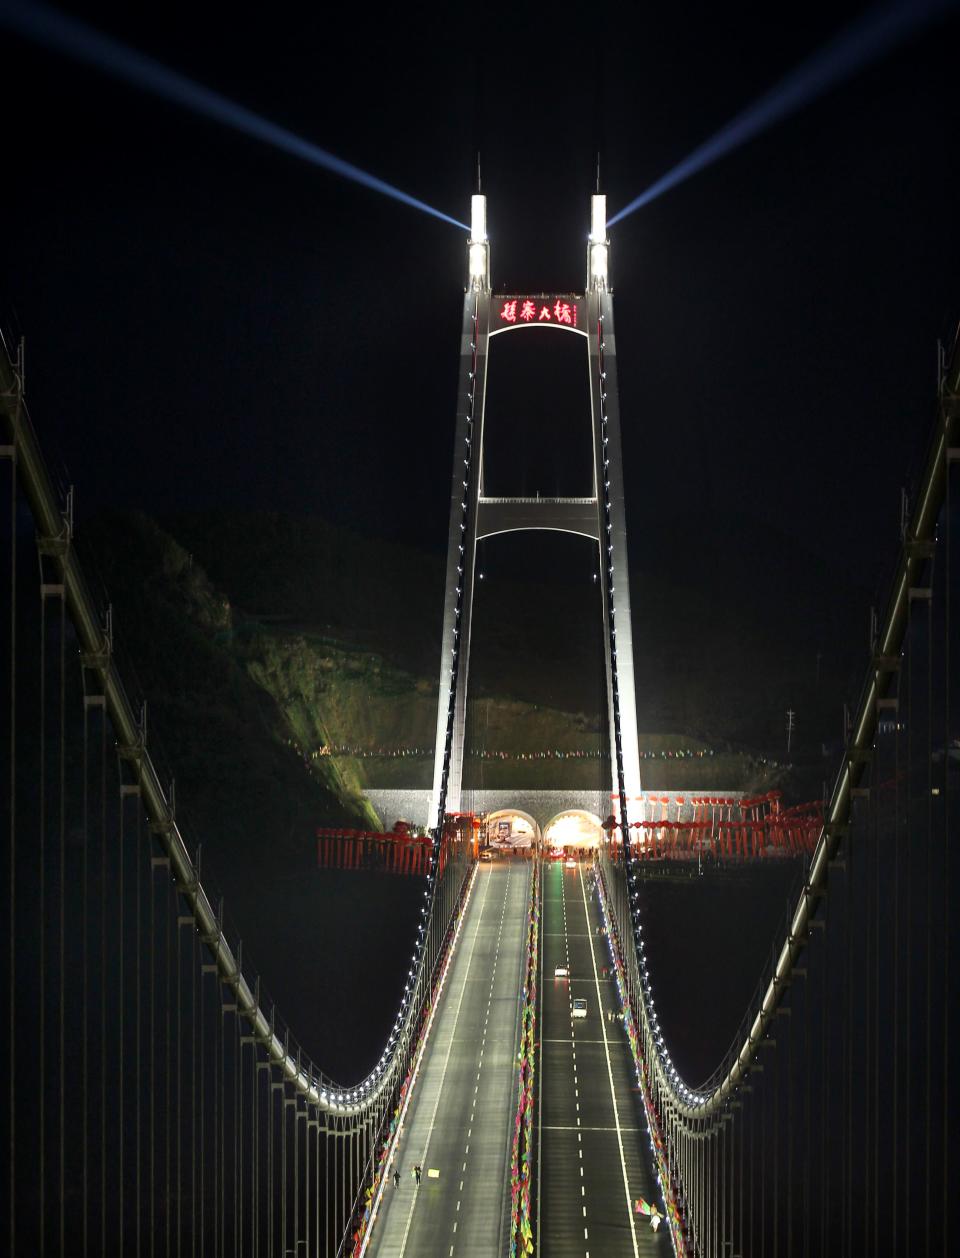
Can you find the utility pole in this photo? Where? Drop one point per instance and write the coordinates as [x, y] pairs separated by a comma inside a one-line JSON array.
[[791, 726]]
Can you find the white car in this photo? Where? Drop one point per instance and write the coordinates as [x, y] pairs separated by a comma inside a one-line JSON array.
[[571, 863], [579, 1008], [561, 971]]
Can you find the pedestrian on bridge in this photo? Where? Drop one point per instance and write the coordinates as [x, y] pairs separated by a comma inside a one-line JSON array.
[[396, 1178], [417, 1172]]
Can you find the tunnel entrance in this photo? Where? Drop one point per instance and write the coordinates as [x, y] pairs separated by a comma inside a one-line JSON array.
[[510, 829], [574, 828]]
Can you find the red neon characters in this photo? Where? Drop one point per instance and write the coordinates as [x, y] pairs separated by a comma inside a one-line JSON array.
[[515, 310]]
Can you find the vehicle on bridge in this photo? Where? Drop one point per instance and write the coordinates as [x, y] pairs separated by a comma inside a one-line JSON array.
[[579, 1008]]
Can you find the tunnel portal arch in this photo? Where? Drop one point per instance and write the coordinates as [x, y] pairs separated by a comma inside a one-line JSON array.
[[528, 825], [574, 827]]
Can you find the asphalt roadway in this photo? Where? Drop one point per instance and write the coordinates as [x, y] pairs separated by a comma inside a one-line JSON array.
[[459, 1123], [594, 1153]]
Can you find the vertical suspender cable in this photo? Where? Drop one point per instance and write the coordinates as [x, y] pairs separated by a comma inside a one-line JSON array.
[[908, 953], [807, 1115], [238, 1158], [152, 1034], [897, 963], [221, 1130], [283, 1167], [752, 1163], [742, 1136], [790, 1200], [254, 1152], [202, 1105], [194, 1051], [824, 1087], [12, 1057], [928, 933], [874, 1152], [716, 1137], [84, 1015], [215, 1137], [41, 928], [103, 977], [62, 937], [270, 1183], [178, 1036], [948, 793], [121, 1000], [866, 1049], [775, 1102], [137, 1048], [849, 1046], [326, 1188], [764, 1094], [296, 1174]]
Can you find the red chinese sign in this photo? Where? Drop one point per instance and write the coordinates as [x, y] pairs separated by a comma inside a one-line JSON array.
[[530, 311]]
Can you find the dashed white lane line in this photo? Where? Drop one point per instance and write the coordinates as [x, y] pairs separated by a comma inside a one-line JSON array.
[[443, 1074], [613, 1095], [573, 1054], [483, 1040]]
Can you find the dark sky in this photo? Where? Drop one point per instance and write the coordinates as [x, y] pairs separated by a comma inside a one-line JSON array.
[[210, 322]]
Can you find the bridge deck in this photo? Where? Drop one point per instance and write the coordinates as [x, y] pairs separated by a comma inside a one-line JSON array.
[[594, 1157], [461, 1116]]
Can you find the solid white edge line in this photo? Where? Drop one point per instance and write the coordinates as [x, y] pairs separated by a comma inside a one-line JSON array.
[[613, 1096], [443, 1073], [416, 1071]]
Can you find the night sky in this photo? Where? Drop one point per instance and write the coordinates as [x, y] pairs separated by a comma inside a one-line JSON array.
[[211, 323], [214, 324]]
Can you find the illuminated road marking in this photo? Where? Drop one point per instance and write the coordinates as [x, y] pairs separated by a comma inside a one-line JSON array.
[[446, 1062], [483, 1041], [613, 1095], [570, 1127]]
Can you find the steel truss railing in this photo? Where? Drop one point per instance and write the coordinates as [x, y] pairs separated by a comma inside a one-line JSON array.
[[358, 1116], [698, 1132]]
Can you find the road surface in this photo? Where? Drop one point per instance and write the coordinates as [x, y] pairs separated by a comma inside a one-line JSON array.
[[460, 1119], [594, 1155]]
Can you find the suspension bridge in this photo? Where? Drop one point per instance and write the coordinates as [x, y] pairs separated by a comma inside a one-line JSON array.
[[525, 1100]]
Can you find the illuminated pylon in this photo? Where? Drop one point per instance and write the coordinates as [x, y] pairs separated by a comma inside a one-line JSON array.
[[473, 516]]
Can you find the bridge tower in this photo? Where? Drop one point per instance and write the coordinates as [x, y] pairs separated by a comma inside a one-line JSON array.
[[474, 515]]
